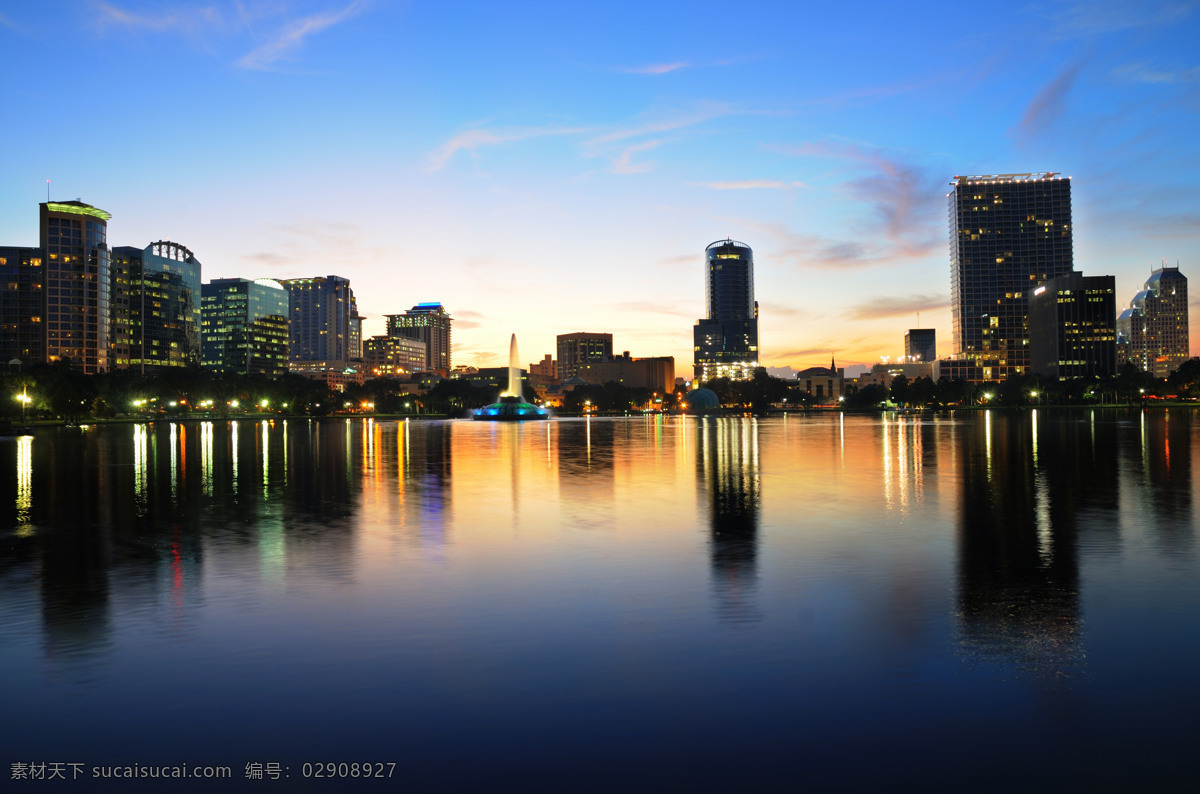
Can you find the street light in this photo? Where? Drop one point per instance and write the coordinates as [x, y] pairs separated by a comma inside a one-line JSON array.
[[24, 399]]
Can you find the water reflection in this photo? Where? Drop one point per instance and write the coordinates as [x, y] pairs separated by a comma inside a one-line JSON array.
[[729, 476]]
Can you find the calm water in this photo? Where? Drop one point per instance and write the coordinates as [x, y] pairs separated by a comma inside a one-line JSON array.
[[983, 602]]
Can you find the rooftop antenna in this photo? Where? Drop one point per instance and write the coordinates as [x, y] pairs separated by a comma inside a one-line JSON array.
[[47, 191], [918, 319]]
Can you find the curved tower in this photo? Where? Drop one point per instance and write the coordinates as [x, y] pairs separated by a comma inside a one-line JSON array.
[[726, 340]]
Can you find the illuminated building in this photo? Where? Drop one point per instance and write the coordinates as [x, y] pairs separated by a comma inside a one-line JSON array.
[[321, 319], [825, 384], [244, 326], [428, 323], [393, 355], [1008, 233], [75, 257], [22, 304], [578, 348], [1072, 327], [920, 344], [656, 373], [155, 307], [1153, 332], [726, 340]]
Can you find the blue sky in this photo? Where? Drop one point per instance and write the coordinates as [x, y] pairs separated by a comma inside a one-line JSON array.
[[542, 168]]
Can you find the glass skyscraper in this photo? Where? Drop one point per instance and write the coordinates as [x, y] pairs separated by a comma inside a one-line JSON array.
[[156, 306], [245, 326], [74, 239], [726, 340], [1008, 233], [322, 314], [1153, 331]]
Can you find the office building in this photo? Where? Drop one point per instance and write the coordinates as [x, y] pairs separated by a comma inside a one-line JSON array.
[[1008, 233], [22, 305], [154, 307], [244, 326], [428, 323], [1072, 327], [393, 356], [1153, 332], [726, 340], [75, 258], [920, 344], [578, 348], [656, 374], [321, 316]]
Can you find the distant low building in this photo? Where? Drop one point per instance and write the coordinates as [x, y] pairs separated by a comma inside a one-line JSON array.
[[656, 373], [393, 356], [336, 375], [824, 384], [883, 374]]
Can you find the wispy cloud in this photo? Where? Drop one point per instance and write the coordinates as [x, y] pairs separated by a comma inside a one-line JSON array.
[[651, 307], [183, 20], [669, 123], [903, 195], [1047, 105], [813, 251], [899, 306], [1141, 73], [268, 259], [751, 184], [623, 162], [656, 68], [473, 139], [1097, 17], [292, 36]]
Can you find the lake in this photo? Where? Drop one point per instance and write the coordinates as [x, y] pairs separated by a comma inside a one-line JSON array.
[[979, 601]]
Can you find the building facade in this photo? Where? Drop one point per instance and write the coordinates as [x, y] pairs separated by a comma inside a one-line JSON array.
[[1008, 233], [75, 258], [1153, 332], [429, 323], [578, 348], [1072, 327], [726, 340], [22, 305], [920, 344], [244, 326], [393, 356], [320, 317], [155, 307], [656, 374]]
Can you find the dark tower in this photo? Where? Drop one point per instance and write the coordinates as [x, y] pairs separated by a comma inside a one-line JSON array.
[[726, 340], [1008, 233]]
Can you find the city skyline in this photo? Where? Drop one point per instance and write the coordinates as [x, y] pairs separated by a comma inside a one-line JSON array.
[[492, 172]]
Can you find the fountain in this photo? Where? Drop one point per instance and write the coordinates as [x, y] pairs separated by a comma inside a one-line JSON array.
[[512, 408]]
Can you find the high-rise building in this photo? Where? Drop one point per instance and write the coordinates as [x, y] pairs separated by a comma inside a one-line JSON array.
[[75, 257], [1072, 327], [428, 323], [245, 326], [1008, 233], [320, 319], [578, 348], [393, 355], [920, 344], [22, 306], [726, 340], [155, 307], [1153, 332]]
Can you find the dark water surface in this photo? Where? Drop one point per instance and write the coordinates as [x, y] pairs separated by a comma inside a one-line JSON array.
[[984, 602]]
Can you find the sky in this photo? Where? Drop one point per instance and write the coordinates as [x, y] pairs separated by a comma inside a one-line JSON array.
[[546, 167]]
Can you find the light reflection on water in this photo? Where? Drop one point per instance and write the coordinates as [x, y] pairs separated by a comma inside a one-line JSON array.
[[612, 588]]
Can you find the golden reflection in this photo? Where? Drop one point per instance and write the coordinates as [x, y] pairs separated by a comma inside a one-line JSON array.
[[140, 464], [206, 458], [233, 443], [987, 431], [266, 470], [24, 485], [903, 455], [1034, 415], [174, 458], [729, 464]]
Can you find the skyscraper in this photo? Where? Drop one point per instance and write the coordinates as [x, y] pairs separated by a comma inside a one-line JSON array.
[[1153, 331], [1072, 327], [155, 306], [22, 306], [920, 344], [428, 323], [726, 340], [578, 348], [245, 326], [320, 316], [1008, 233], [74, 239]]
